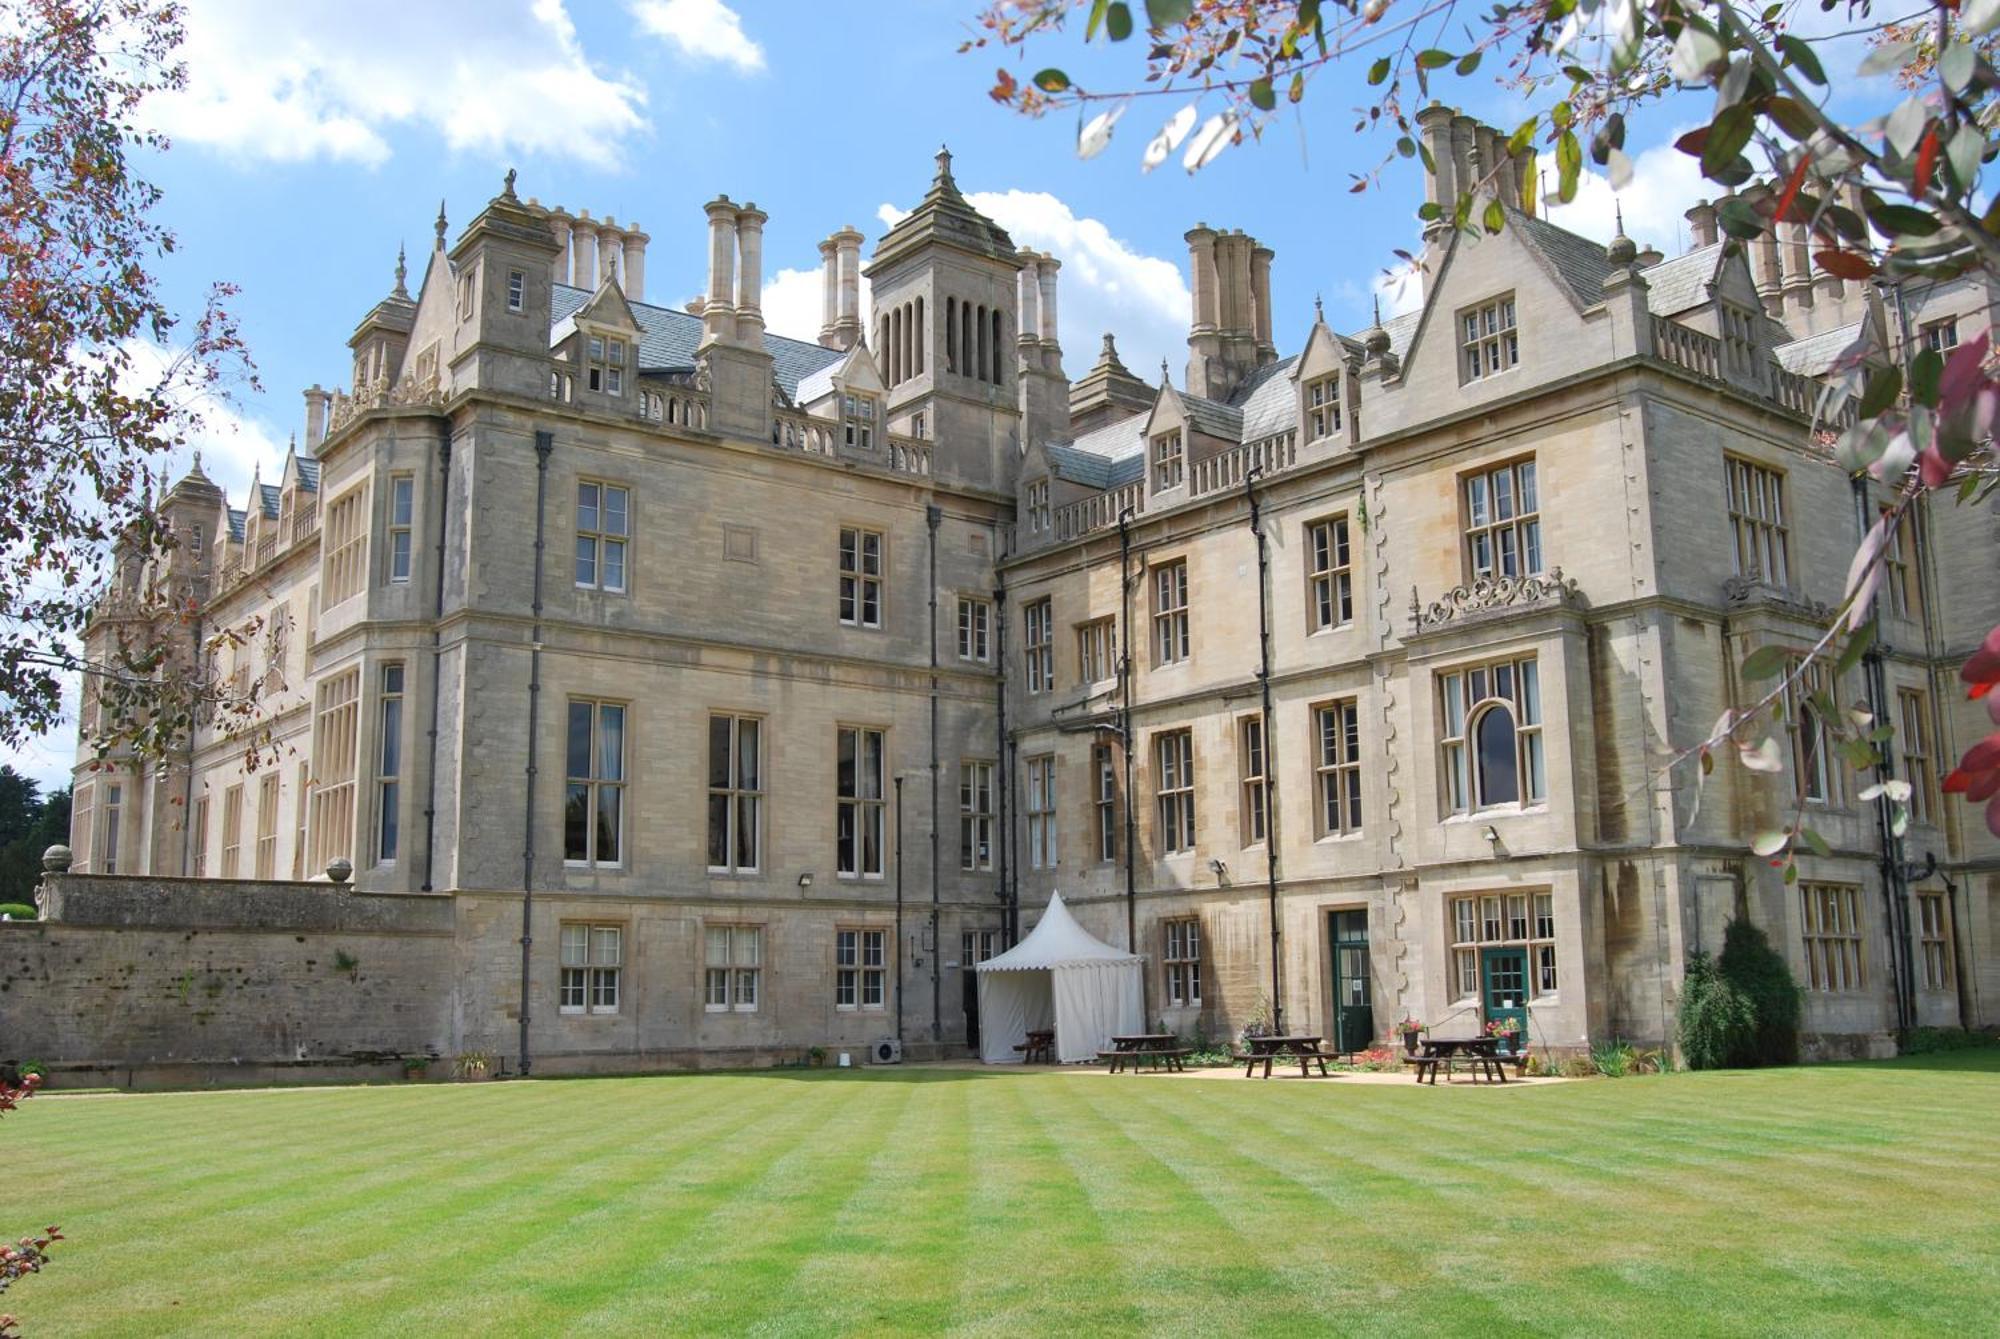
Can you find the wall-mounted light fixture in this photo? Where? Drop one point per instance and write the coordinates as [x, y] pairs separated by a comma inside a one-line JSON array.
[[806, 879]]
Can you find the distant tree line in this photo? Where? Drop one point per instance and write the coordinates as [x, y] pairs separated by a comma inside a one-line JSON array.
[[30, 823]]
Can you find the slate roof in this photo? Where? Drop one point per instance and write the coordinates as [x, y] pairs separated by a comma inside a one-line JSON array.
[[1266, 400], [1681, 284], [817, 385], [1213, 417], [268, 496], [309, 474], [1107, 457], [236, 522], [668, 339], [1816, 354], [1577, 263]]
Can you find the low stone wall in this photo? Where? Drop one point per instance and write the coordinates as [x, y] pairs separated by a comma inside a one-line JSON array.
[[129, 978]]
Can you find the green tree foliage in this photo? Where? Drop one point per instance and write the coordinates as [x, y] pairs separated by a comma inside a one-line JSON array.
[[1715, 1021], [29, 825], [1757, 972], [98, 381]]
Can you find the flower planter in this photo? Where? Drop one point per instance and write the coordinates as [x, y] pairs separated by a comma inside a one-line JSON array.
[[1410, 1041]]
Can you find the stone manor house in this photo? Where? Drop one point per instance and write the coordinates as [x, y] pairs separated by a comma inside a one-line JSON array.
[[792, 678]]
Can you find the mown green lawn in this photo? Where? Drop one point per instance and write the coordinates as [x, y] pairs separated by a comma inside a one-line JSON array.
[[1852, 1199]]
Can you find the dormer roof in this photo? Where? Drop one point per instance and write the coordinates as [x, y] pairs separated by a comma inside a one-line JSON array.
[[668, 339]]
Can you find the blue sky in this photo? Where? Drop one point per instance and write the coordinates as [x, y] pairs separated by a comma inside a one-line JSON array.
[[314, 137]]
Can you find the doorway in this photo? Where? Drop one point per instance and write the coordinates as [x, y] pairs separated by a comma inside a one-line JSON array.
[[1353, 988], [1503, 974]]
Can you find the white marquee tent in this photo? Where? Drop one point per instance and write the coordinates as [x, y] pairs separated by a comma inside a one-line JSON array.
[[1062, 977]]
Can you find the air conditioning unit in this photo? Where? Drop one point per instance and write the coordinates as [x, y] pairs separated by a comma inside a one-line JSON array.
[[888, 1051]]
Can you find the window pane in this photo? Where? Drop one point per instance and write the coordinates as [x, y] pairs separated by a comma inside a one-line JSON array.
[[576, 823], [586, 561], [614, 564], [579, 739], [611, 743], [614, 511], [586, 507], [718, 830], [1498, 782], [607, 823], [718, 752], [748, 773]]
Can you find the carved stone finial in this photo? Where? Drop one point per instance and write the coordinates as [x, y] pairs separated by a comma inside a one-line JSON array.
[[402, 272], [1166, 377], [507, 189], [1109, 353], [1319, 311], [440, 223], [57, 859], [944, 167], [340, 869], [197, 462]]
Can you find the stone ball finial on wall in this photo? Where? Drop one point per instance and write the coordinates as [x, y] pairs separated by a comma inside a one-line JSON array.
[[339, 869], [57, 859]]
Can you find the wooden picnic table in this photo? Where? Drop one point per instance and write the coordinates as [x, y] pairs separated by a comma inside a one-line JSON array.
[[1269, 1049], [1480, 1054], [1159, 1047], [1038, 1048]]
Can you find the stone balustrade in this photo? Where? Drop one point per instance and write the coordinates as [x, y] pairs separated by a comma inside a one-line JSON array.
[[1099, 512], [1226, 470]]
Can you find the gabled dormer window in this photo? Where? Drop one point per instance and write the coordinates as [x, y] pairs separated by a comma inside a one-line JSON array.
[[1169, 461], [1492, 344], [1038, 506], [858, 411], [1739, 340], [606, 365], [1322, 408]]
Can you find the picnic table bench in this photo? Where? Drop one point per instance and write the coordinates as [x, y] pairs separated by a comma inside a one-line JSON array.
[[1039, 1048], [1477, 1055], [1268, 1050], [1158, 1047]]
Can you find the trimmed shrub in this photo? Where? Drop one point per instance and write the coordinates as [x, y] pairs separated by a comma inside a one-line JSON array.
[[1760, 974], [1931, 1040], [20, 911], [1716, 1022]]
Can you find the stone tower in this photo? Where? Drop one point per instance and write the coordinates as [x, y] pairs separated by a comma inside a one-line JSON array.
[[946, 333]]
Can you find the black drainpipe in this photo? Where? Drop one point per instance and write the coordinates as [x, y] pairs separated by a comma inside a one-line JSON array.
[[545, 442], [933, 517], [437, 653], [1270, 755], [1895, 893], [1010, 877], [1125, 738]]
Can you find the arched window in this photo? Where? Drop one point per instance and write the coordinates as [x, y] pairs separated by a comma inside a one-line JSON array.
[[998, 380], [1496, 775], [951, 334], [966, 364], [1492, 736], [917, 340]]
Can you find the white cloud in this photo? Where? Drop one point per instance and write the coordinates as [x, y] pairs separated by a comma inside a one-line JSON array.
[[299, 82], [705, 29], [1105, 284], [1665, 184], [795, 303]]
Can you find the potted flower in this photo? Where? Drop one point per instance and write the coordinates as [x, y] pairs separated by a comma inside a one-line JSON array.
[[1508, 1030], [473, 1066], [1411, 1027], [414, 1067]]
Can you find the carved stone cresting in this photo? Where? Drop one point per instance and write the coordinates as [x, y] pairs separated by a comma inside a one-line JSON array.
[[1489, 594], [1746, 592]]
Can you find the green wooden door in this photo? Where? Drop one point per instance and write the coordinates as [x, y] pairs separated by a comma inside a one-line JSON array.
[[1353, 992], [1504, 972]]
